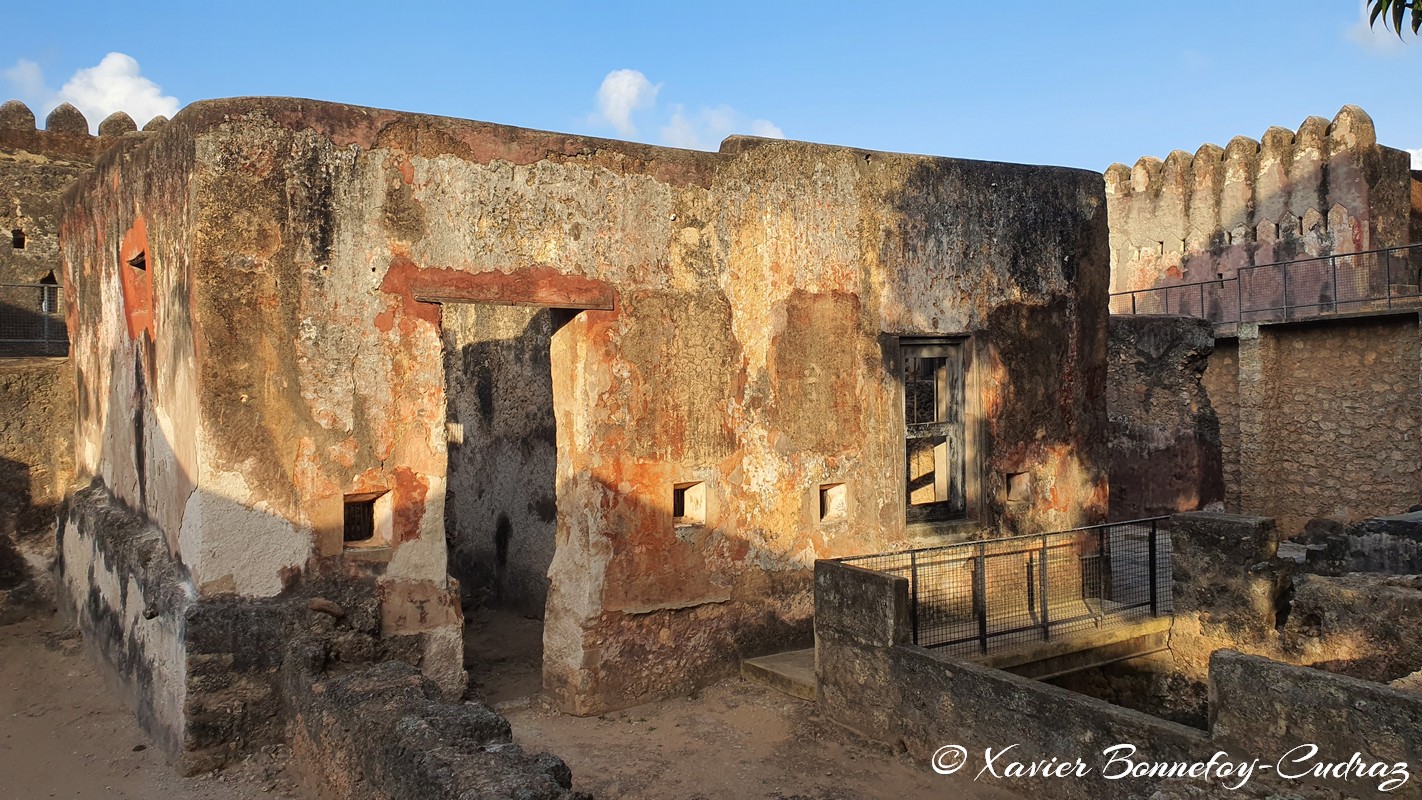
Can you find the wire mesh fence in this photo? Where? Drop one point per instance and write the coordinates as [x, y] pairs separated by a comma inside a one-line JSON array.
[[1351, 283], [997, 594], [32, 320]]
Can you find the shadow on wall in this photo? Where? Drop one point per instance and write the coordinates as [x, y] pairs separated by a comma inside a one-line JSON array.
[[213, 676], [1032, 303], [17, 516], [501, 503], [1165, 438]]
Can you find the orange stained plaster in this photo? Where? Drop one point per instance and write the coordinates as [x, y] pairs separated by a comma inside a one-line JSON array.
[[137, 283]]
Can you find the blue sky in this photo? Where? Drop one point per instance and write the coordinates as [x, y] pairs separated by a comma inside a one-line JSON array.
[[1079, 84]]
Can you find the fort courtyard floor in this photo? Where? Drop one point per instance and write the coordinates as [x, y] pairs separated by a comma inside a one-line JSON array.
[[731, 740], [65, 734]]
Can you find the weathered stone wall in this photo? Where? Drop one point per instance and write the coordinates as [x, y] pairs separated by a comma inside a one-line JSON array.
[[1221, 383], [1230, 591], [198, 415], [1165, 437], [1340, 420], [1326, 188], [1254, 699], [872, 680], [741, 313], [130, 600], [501, 504], [355, 735], [35, 168], [36, 469], [1320, 420], [36, 394]]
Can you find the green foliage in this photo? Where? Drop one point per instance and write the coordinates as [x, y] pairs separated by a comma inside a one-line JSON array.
[[1394, 11]]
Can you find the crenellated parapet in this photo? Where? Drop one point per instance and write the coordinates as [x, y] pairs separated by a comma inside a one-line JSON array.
[[65, 133], [1326, 188], [36, 165]]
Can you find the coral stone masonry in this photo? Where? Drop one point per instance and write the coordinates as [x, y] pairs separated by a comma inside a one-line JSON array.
[[284, 311]]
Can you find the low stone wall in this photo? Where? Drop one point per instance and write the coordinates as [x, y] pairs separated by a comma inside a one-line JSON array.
[[1364, 626], [1381, 544], [1229, 587], [1165, 437], [382, 733], [130, 600], [36, 466], [206, 676], [1265, 707], [873, 681]]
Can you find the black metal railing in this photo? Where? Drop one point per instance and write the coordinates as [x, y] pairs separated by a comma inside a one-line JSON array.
[[32, 320], [997, 594], [1350, 283]]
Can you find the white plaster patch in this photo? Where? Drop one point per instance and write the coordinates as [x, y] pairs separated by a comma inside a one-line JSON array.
[[420, 560], [231, 536]]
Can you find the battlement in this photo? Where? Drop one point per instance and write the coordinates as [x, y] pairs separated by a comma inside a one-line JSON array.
[[66, 131], [36, 165], [1326, 188]]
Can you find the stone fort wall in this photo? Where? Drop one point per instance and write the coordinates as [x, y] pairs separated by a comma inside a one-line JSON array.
[[1324, 189], [37, 396]]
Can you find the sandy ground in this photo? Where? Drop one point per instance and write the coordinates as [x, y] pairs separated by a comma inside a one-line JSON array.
[[731, 740], [64, 734]]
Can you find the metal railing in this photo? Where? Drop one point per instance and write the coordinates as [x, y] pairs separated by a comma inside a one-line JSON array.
[[32, 320], [1349, 283], [997, 594]]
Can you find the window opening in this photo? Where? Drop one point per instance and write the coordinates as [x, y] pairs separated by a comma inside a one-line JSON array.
[[934, 430]]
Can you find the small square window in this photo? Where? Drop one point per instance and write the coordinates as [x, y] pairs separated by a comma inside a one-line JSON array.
[[834, 502], [367, 519], [689, 503], [1019, 487], [360, 520]]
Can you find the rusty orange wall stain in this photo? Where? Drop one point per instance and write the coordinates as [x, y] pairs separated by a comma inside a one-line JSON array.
[[137, 283], [385, 321], [410, 491], [536, 285]]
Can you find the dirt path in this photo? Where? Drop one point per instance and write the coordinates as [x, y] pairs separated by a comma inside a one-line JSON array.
[[64, 734], [732, 740]]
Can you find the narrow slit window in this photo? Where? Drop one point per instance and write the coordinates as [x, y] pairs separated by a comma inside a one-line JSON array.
[[934, 437], [17, 239]]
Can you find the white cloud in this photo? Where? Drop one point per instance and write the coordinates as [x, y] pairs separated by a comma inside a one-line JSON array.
[[622, 92], [704, 129], [766, 128], [1416, 157], [680, 132], [114, 84], [1374, 38]]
